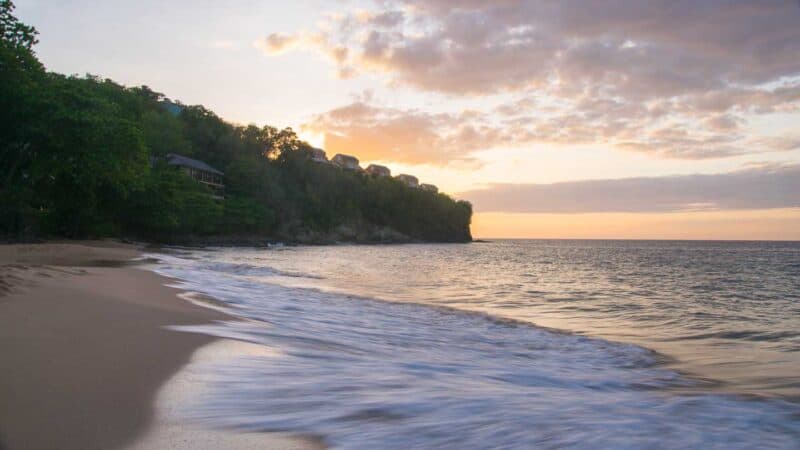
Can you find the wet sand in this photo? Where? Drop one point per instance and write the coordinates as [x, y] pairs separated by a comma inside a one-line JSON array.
[[84, 352]]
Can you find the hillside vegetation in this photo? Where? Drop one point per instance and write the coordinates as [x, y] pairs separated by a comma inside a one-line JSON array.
[[75, 161]]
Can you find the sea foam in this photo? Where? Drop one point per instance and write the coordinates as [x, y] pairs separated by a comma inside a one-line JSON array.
[[366, 374]]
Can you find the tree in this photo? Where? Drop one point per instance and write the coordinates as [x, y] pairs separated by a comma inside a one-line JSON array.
[[90, 155], [21, 77]]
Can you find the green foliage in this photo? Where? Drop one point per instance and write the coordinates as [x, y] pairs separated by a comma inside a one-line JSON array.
[[246, 215], [90, 155], [12, 31], [169, 203], [164, 133], [21, 76], [81, 156]]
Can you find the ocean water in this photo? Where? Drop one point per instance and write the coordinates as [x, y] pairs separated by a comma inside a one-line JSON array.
[[507, 344]]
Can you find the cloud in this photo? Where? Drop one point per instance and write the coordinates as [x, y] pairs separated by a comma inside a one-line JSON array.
[[723, 123], [626, 47], [412, 136], [280, 43], [405, 136], [277, 43], [760, 187], [673, 79]]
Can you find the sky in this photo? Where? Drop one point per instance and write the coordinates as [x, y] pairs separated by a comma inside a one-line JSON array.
[[662, 119]]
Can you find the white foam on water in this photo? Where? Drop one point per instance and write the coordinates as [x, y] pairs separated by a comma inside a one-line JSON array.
[[366, 374]]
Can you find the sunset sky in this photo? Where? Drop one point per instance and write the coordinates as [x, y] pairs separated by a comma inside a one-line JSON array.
[[602, 119]]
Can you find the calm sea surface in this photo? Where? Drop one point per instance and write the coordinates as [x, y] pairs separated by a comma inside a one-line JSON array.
[[509, 344]]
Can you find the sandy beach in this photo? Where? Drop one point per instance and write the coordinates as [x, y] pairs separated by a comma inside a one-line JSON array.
[[85, 352]]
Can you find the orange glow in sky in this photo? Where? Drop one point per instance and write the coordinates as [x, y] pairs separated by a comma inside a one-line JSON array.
[[779, 224]]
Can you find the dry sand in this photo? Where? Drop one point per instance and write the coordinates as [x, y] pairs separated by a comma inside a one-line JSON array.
[[84, 351]]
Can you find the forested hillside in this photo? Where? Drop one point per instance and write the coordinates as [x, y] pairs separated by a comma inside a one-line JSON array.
[[76, 161]]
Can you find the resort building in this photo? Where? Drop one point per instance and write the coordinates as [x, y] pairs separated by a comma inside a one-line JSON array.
[[408, 180], [318, 155], [429, 188], [200, 171], [346, 162], [171, 107], [379, 171]]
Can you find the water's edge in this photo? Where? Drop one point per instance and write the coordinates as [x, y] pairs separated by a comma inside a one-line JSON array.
[[326, 380]]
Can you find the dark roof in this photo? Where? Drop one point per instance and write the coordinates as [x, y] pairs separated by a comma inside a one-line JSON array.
[[183, 161], [346, 157], [379, 169]]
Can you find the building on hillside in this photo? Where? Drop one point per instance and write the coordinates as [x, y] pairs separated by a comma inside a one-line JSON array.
[[378, 171], [318, 155], [346, 162], [429, 188], [408, 180], [172, 107], [199, 171]]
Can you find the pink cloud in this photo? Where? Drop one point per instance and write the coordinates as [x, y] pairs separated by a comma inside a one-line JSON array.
[[614, 72]]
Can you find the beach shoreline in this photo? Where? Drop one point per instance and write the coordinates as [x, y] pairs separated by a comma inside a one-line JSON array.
[[86, 349]]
